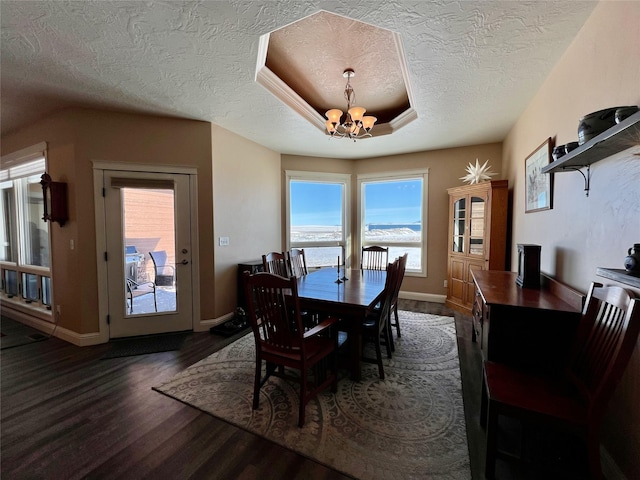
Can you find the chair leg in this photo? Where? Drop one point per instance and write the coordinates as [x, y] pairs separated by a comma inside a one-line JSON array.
[[395, 314], [390, 333], [334, 359], [256, 383], [379, 359], [492, 438], [387, 339], [303, 397]]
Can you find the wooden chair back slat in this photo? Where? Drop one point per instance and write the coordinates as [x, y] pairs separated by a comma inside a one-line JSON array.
[[374, 258], [276, 262], [297, 262], [275, 311], [600, 353]]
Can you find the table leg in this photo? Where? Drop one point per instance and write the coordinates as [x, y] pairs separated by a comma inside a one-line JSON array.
[[355, 345]]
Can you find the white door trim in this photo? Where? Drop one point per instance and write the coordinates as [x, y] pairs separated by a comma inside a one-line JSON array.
[[101, 246]]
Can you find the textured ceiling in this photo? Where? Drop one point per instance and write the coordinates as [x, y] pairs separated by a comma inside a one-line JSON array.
[[473, 66], [370, 51]]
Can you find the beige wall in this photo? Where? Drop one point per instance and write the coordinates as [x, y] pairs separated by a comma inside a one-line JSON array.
[[246, 194], [445, 169], [247, 191], [600, 69], [77, 137]]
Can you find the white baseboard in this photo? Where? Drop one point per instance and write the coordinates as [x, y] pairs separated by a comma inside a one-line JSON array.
[[79, 339], [422, 297], [205, 325]]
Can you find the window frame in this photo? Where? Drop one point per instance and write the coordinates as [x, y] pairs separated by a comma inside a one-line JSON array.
[[14, 161], [398, 175], [343, 179]]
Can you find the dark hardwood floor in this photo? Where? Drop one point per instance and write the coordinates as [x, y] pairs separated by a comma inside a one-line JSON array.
[[67, 414]]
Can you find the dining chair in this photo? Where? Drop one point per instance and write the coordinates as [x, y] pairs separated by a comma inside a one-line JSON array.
[[282, 342], [374, 258], [297, 262], [134, 289], [276, 262], [165, 273], [395, 321], [576, 398], [374, 327]]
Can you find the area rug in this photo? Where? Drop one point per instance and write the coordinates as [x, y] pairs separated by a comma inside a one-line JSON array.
[[409, 426], [128, 347]]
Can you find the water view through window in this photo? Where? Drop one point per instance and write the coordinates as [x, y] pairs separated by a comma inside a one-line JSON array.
[[317, 221], [392, 217]]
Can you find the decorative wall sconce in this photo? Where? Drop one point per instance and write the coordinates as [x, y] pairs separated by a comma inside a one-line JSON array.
[[55, 200]]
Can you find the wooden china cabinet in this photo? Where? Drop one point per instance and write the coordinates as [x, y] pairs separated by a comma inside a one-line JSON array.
[[477, 237]]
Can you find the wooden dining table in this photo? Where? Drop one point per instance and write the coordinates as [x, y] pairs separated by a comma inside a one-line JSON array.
[[351, 299]]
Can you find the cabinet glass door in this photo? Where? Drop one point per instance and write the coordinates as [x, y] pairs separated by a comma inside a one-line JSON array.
[[476, 226], [459, 213]]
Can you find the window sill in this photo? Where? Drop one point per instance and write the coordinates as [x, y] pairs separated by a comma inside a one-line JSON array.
[[34, 310]]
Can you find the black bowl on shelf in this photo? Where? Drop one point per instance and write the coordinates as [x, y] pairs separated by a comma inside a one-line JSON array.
[[570, 146], [595, 123], [624, 112], [558, 152]]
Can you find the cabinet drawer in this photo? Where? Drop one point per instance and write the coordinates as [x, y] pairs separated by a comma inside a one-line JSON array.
[[477, 316]]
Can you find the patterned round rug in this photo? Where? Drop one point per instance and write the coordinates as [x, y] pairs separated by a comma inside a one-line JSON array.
[[410, 425]]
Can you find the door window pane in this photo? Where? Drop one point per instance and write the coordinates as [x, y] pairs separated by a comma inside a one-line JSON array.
[[149, 226]]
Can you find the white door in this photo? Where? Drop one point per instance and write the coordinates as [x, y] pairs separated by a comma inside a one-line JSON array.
[[147, 218]]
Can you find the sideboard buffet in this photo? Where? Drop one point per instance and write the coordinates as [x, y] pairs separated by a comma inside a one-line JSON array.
[[527, 327]]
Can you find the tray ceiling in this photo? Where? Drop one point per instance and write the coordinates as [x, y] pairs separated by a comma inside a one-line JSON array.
[[472, 67]]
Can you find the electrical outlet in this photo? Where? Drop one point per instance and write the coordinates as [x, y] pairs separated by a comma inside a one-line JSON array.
[[223, 241], [445, 284], [58, 310]]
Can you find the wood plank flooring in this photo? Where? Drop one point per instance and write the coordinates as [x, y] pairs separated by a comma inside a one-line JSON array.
[[67, 414]]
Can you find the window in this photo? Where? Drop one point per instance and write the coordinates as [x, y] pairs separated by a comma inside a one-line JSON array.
[[317, 217], [24, 236], [393, 214]]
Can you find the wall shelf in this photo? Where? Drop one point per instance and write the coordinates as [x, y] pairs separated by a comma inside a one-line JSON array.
[[619, 275], [620, 137]]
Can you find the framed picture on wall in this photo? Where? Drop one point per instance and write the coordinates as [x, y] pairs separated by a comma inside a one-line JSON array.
[[538, 186]]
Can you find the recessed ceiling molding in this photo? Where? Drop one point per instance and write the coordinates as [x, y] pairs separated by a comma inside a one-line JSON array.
[[284, 53], [401, 120], [289, 97]]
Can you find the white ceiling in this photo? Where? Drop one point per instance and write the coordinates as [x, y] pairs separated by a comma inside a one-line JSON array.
[[473, 66]]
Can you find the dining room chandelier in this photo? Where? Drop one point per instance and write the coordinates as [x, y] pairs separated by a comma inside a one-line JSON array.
[[355, 125]]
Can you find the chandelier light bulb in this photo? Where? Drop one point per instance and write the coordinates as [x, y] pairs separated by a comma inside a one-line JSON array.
[[355, 121]]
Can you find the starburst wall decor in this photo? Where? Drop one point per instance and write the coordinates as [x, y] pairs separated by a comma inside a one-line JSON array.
[[477, 173]]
